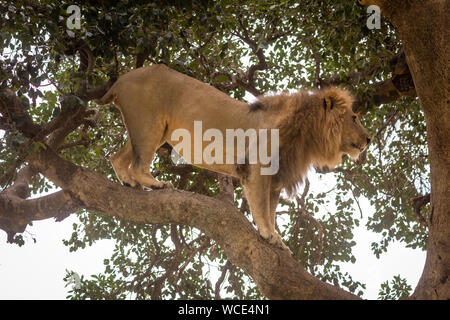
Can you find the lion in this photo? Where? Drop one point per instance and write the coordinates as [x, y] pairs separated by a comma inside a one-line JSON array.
[[316, 128]]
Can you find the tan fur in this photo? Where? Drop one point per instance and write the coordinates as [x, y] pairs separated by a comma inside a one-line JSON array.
[[316, 128]]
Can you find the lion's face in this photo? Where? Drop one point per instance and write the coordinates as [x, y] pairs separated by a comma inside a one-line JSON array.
[[354, 138]]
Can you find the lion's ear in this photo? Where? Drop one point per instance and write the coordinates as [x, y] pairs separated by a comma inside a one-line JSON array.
[[328, 103]]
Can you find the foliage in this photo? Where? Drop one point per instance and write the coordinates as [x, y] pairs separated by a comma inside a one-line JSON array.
[[397, 289]]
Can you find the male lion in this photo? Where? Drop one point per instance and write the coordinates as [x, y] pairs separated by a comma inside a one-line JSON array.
[[315, 128]]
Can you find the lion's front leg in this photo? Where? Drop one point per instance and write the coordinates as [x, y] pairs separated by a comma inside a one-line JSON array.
[[274, 194], [261, 198], [139, 171], [136, 174]]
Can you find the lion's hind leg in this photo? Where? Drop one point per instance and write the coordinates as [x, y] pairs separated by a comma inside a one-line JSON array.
[[120, 162], [144, 148], [140, 174]]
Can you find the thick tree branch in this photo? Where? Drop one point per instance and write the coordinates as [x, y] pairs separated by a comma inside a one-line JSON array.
[[13, 111], [276, 273], [21, 185], [398, 86], [418, 203], [16, 213], [56, 129]]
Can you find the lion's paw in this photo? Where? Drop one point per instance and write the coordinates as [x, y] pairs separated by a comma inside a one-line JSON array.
[[163, 185], [130, 184], [167, 185], [276, 240]]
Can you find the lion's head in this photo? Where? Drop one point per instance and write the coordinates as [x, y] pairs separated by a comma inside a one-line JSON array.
[[343, 125]]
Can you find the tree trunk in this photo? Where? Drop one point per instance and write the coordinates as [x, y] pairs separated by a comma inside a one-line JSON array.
[[423, 28]]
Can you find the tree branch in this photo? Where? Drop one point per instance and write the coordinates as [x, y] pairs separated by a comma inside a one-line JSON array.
[[57, 129], [21, 185], [276, 273], [100, 90], [317, 63], [305, 214], [418, 203], [16, 213], [399, 85], [226, 188], [258, 51], [219, 282], [13, 111]]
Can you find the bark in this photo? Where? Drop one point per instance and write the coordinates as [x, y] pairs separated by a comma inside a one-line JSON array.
[[276, 273], [423, 27]]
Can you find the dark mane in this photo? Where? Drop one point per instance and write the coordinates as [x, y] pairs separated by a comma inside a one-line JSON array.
[[256, 106]]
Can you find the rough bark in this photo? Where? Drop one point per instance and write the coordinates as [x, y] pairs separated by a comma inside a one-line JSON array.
[[423, 27]]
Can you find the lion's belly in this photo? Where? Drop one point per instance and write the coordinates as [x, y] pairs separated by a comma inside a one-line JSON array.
[[224, 168], [211, 154]]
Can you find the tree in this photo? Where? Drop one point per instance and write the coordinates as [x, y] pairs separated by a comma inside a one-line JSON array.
[[56, 137]]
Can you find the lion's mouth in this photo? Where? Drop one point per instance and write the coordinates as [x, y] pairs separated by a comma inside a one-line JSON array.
[[354, 145]]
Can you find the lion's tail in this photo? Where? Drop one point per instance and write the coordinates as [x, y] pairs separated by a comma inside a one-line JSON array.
[[108, 97]]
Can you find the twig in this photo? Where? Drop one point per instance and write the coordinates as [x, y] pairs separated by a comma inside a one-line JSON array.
[[418, 203], [391, 117], [226, 188], [305, 214], [221, 279], [316, 55]]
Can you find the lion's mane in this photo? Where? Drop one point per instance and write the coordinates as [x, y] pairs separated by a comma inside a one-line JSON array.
[[311, 127]]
